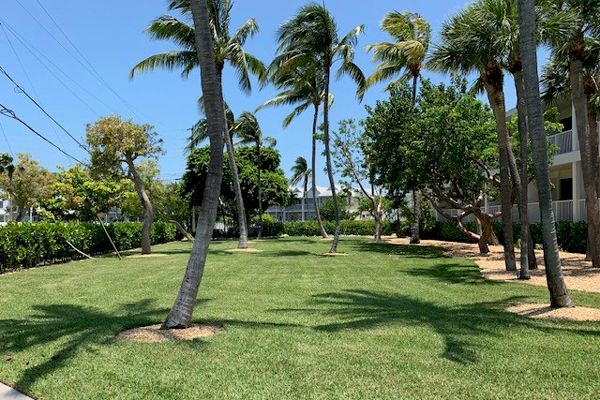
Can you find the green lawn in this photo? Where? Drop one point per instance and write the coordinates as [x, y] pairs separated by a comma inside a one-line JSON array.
[[386, 321]]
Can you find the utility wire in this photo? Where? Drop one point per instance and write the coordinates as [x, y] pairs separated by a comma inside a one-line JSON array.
[[6, 139], [11, 114], [3, 71]]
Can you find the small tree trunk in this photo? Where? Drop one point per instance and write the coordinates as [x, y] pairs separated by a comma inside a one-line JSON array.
[[314, 172], [416, 219], [180, 315], [588, 164], [148, 209], [494, 79], [336, 205], [559, 295], [260, 206]]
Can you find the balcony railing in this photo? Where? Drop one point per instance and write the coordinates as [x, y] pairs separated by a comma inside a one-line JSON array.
[[564, 142]]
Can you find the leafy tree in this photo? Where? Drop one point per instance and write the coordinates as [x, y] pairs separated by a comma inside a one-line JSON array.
[[181, 313], [274, 185], [404, 57], [311, 33], [301, 173], [559, 296], [116, 148], [328, 211], [467, 45], [27, 184], [352, 157], [228, 48]]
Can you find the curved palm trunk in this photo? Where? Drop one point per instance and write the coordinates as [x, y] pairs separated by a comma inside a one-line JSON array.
[[259, 186], [559, 295], [336, 205], [181, 313], [495, 95], [314, 172], [588, 164], [415, 236], [304, 198], [235, 179], [148, 209]]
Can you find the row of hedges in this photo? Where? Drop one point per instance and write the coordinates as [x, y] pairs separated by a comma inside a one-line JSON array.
[[572, 236], [28, 245], [348, 227]]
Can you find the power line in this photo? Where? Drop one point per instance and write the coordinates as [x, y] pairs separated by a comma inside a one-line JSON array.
[[11, 114], [3, 71], [6, 139], [32, 50]]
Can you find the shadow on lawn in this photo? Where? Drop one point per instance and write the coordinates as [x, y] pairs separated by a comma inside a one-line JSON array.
[[398, 249], [460, 326], [452, 273]]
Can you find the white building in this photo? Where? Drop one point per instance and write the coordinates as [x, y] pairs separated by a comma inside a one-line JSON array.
[[302, 207], [568, 195], [4, 206]]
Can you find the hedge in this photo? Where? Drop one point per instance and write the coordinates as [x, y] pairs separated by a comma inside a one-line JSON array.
[[348, 227], [572, 236], [24, 245]]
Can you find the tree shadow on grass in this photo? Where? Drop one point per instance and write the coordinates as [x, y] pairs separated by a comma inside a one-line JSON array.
[[399, 249], [459, 326], [452, 273]]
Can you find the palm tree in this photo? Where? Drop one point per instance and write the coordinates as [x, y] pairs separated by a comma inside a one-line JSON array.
[[181, 313], [404, 57], [470, 45], [248, 129], [559, 295], [301, 173], [303, 85], [229, 48], [311, 33], [7, 167], [571, 46]]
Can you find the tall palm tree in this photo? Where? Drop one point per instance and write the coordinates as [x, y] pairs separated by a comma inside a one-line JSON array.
[[229, 48], [8, 167], [571, 46], [404, 57], [559, 295], [468, 45], [248, 129], [302, 86], [311, 33], [181, 313], [301, 173]]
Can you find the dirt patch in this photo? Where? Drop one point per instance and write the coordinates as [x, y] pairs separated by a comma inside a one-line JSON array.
[[334, 254], [248, 250], [153, 255], [578, 273], [153, 333], [543, 311]]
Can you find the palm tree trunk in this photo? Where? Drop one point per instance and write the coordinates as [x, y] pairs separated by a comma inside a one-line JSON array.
[[235, 179], [559, 295], [415, 236], [527, 246], [259, 186], [336, 205], [314, 172], [181, 313], [304, 197], [588, 164], [496, 99], [148, 209], [592, 121]]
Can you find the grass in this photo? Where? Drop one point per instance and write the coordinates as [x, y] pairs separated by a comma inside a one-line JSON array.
[[386, 321]]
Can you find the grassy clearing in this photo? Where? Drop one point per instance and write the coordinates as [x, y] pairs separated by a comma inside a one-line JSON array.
[[383, 322]]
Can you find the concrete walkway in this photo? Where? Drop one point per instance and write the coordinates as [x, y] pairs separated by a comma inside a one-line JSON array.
[[8, 393]]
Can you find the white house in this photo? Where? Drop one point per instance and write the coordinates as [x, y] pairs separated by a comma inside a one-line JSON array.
[[302, 207], [568, 194]]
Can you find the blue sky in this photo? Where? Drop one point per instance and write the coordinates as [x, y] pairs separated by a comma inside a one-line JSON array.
[[110, 34]]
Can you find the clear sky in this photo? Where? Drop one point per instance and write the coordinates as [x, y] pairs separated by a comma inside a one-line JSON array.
[[110, 35]]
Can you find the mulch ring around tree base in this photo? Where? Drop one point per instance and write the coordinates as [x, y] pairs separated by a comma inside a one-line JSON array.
[[153, 333], [246, 250], [152, 255], [567, 313]]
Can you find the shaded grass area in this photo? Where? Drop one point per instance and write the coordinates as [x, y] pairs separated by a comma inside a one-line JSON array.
[[386, 321]]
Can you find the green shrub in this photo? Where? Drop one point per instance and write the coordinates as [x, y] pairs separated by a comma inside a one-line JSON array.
[[347, 227], [28, 245]]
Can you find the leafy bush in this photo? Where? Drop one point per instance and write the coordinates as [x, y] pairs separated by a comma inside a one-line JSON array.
[[29, 245], [347, 227]]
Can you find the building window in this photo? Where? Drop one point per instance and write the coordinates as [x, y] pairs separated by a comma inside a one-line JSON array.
[[567, 123], [566, 189]]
